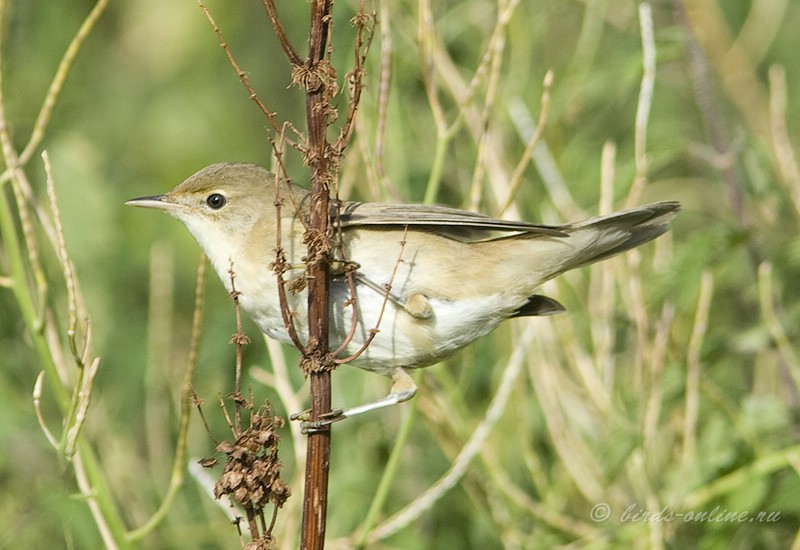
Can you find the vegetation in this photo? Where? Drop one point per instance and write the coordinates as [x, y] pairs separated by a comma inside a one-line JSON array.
[[659, 411]]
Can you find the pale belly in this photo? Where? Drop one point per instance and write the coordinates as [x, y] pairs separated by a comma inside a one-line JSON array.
[[401, 340], [455, 314]]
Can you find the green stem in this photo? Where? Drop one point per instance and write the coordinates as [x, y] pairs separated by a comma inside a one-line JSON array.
[[746, 474], [435, 179], [115, 536], [387, 478], [23, 294], [178, 464]]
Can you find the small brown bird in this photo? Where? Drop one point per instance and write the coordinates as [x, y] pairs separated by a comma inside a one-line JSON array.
[[457, 274]]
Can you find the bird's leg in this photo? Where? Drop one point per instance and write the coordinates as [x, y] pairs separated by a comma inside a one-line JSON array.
[[403, 389], [416, 304]]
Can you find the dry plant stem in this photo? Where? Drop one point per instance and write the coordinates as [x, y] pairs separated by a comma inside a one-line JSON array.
[[239, 339], [490, 65], [495, 53], [281, 266], [545, 164], [644, 104], [425, 38], [465, 95], [187, 399], [318, 363], [781, 143], [353, 301], [601, 309], [693, 368], [82, 390], [519, 170], [471, 448], [37, 400], [544, 371], [434, 61], [66, 268]]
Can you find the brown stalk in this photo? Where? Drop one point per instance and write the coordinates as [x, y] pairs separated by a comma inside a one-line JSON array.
[[318, 79], [317, 361]]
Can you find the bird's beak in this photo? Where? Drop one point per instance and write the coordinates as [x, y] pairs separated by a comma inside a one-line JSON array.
[[156, 201]]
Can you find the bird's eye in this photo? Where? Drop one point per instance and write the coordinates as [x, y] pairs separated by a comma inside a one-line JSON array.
[[216, 201]]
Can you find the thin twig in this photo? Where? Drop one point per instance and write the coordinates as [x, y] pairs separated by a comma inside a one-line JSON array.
[[388, 290], [355, 78], [519, 170], [288, 49], [84, 396], [281, 264], [239, 339], [243, 76], [198, 404], [352, 289], [464, 95]]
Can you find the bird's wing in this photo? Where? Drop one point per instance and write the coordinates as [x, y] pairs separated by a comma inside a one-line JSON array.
[[450, 222]]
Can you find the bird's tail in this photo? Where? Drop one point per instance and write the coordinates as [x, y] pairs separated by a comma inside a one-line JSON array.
[[604, 236], [582, 243]]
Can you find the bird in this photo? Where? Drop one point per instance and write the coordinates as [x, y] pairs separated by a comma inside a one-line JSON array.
[[424, 281]]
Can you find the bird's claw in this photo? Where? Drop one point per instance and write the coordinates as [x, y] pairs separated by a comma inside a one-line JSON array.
[[321, 423]]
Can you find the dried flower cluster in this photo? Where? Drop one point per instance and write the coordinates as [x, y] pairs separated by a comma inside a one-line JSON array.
[[251, 476]]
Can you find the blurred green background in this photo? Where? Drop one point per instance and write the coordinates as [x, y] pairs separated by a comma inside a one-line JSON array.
[[626, 401]]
